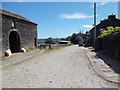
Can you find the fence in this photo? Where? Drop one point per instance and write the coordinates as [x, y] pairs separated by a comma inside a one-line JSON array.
[[110, 45]]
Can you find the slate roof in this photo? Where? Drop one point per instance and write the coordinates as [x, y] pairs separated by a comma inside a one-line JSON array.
[[8, 13]]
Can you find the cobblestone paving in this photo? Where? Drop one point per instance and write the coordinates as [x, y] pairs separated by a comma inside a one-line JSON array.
[[17, 57], [64, 68]]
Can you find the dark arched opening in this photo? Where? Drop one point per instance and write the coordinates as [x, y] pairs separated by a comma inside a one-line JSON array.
[[14, 42]]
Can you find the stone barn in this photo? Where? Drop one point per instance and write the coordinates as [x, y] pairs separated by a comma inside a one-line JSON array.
[[17, 32]]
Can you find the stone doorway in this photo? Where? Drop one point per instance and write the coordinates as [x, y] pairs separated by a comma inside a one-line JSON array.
[[14, 42]]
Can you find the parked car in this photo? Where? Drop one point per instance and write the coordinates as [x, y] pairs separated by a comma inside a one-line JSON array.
[[80, 44], [44, 46]]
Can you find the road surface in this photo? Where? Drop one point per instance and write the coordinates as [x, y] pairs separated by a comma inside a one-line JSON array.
[[64, 68]]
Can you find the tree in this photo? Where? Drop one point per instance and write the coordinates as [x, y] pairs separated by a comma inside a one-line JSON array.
[[68, 38], [73, 39], [79, 38], [49, 41], [63, 38], [76, 38]]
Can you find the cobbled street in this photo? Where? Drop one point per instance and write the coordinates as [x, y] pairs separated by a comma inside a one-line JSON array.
[[68, 67]]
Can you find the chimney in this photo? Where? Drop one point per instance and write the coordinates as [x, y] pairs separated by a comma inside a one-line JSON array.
[[112, 16]]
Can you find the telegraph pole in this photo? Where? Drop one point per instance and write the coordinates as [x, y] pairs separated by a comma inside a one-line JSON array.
[[94, 23], [119, 9]]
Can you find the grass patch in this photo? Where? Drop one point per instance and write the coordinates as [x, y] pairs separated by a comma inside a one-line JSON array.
[[14, 54], [84, 51], [68, 45], [31, 49], [1, 59], [17, 63], [56, 48], [45, 51], [52, 49], [48, 50], [91, 48]]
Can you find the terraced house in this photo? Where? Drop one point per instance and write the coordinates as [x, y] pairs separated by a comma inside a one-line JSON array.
[[111, 21], [17, 32], [110, 45]]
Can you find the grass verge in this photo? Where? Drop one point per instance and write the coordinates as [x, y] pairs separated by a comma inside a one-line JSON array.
[[31, 49], [56, 48], [45, 51]]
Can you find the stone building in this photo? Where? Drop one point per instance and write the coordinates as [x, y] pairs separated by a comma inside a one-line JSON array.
[[111, 21], [87, 38], [17, 32], [110, 44]]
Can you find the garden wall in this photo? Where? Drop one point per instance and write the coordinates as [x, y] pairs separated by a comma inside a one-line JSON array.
[[111, 45]]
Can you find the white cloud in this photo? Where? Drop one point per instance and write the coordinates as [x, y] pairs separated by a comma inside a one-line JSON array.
[[62, 0], [103, 3], [100, 4], [88, 26], [19, 0], [74, 16]]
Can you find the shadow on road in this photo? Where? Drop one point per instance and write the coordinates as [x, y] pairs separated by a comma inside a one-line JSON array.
[[113, 63]]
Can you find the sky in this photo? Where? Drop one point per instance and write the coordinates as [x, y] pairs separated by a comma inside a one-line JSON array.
[[61, 19]]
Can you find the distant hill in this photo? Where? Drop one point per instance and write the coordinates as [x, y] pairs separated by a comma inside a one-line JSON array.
[[54, 39], [41, 40]]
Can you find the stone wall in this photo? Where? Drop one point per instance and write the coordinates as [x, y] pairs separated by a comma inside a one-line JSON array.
[[26, 30], [0, 34], [111, 45]]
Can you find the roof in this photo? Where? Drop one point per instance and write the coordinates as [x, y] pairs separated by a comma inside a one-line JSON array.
[[109, 17], [8, 13]]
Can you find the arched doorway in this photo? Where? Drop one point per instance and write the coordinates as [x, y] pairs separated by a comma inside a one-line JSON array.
[[14, 42]]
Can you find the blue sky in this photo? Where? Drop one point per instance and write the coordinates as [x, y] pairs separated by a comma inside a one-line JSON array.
[[61, 19]]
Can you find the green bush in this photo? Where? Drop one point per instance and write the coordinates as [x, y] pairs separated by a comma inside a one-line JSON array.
[[49, 41], [108, 31]]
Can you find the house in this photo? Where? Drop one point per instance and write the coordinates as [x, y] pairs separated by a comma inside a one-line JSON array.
[[17, 32], [110, 44], [111, 21], [88, 41]]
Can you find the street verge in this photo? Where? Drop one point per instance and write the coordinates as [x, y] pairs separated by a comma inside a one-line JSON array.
[[101, 68], [22, 57]]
